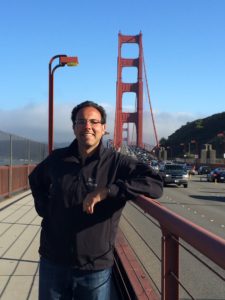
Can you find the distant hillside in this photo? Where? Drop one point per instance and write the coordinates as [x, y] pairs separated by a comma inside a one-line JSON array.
[[195, 134]]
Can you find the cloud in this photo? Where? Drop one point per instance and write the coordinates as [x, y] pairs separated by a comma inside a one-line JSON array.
[[31, 121], [168, 123]]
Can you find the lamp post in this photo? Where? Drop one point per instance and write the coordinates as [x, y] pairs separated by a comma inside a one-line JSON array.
[[63, 60], [170, 149], [189, 149], [183, 148], [222, 136], [196, 150], [196, 147]]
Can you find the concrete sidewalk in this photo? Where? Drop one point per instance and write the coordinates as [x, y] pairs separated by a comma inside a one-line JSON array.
[[19, 242]]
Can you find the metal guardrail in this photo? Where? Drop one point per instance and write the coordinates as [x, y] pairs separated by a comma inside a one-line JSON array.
[[130, 278], [174, 227], [18, 156], [16, 150], [14, 179]]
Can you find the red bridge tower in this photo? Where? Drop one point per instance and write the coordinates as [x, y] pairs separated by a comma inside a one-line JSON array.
[[136, 87]]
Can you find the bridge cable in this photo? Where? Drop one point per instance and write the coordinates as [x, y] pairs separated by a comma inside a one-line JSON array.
[[149, 100]]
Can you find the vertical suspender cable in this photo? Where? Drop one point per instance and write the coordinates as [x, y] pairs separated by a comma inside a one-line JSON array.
[[132, 136], [156, 137]]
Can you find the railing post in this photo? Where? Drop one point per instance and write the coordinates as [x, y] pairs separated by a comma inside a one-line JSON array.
[[10, 166], [28, 159], [170, 265]]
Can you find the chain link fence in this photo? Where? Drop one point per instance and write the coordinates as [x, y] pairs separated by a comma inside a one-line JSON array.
[[16, 150]]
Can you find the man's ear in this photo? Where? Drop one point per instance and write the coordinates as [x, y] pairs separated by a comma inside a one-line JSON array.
[[73, 127], [104, 128]]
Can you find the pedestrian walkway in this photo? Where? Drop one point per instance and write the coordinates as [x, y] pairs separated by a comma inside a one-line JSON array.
[[19, 242]]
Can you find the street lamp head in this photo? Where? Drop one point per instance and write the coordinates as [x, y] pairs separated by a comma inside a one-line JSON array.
[[70, 61]]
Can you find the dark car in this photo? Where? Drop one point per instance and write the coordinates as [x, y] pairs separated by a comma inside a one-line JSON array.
[[174, 173], [204, 170], [216, 175]]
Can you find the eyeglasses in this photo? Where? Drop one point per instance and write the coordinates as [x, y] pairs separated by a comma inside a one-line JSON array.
[[82, 122]]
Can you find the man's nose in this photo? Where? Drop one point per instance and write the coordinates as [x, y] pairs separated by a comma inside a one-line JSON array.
[[87, 124]]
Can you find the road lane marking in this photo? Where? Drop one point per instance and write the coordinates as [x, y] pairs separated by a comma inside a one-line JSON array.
[[194, 211]]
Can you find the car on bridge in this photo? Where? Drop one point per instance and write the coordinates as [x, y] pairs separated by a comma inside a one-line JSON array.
[[174, 174], [216, 175], [204, 170]]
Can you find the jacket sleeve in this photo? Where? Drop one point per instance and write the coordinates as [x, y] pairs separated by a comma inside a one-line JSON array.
[[40, 183], [134, 178]]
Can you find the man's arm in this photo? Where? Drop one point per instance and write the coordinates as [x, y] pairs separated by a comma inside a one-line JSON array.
[[39, 184], [133, 178]]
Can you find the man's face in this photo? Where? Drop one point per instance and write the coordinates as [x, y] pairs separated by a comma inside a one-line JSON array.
[[88, 128]]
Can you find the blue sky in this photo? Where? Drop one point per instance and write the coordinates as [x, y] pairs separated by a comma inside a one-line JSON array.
[[184, 50]]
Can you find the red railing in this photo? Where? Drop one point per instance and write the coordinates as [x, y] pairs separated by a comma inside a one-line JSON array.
[[132, 281], [14, 179], [173, 228]]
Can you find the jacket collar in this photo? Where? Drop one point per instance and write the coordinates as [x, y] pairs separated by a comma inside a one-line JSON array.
[[73, 150]]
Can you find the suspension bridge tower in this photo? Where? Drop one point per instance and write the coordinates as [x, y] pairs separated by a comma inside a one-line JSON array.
[[121, 116]]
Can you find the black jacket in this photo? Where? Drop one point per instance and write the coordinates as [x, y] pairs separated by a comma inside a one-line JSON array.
[[60, 183]]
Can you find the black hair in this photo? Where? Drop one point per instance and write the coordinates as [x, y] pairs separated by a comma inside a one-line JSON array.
[[86, 104]]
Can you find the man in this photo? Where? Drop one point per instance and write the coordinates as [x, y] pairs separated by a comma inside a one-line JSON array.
[[80, 192]]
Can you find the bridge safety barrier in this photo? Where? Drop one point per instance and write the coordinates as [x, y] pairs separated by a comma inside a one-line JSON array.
[[175, 227], [18, 156], [14, 179]]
